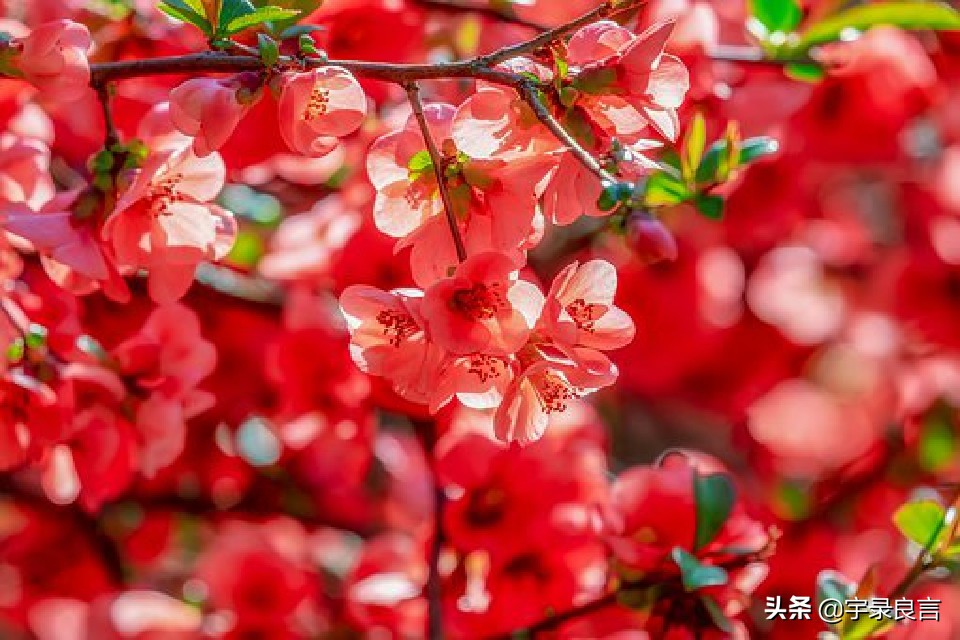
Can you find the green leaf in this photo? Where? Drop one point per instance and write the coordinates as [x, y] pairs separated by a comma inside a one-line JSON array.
[[258, 16], [614, 194], [710, 206], [247, 249], [298, 30], [268, 48], [230, 10], [906, 15], [307, 45], [696, 575], [664, 190], [777, 15], [715, 497], [751, 149], [805, 72], [693, 145], [180, 10], [419, 163], [719, 618], [937, 440], [832, 585], [921, 522]]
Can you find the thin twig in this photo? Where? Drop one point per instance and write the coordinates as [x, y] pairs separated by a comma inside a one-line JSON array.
[[110, 135], [529, 95], [439, 168]]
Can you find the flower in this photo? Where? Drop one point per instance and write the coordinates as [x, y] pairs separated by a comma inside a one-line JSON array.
[[319, 106], [483, 307], [627, 81], [209, 109], [387, 339], [166, 223], [579, 311], [53, 58]]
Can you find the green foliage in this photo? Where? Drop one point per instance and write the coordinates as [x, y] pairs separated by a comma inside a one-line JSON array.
[[234, 16], [922, 522], [938, 444], [906, 15], [189, 11], [696, 575], [777, 15], [715, 496], [268, 48]]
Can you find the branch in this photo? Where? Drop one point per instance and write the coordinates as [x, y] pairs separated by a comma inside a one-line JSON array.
[[439, 169], [110, 136], [529, 95], [605, 10], [753, 55], [494, 13]]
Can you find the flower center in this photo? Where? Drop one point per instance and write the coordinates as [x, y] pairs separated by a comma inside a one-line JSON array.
[[480, 302], [585, 314], [554, 392], [164, 193], [318, 105], [486, 367], [397, 326]]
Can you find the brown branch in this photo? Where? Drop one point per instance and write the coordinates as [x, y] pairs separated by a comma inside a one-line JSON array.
[[530, 96], [110, 135], [754, 56], [439, 169], [487, 11]]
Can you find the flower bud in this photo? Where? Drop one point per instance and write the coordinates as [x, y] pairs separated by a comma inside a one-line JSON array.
[[651, 240]]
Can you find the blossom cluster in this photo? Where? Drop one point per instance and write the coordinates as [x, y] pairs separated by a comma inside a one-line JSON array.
[[434, 319]]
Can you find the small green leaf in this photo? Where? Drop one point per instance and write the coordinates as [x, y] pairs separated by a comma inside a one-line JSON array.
[[696, 575], [906, 15], [36, 335], [805, 72], [420, 163], [693, 145], [664, 190], [921, 522], [230, 10], [719, 618], [268, 48], [614, 194], [715, 496], [777, 15], [258, 16], [937, 441], [832, 585], [247, 249], [307, 45], [710, 206], [179, 10], [298, 30], [751, 149]]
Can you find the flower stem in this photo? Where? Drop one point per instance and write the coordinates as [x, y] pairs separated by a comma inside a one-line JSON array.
[[439, 168]]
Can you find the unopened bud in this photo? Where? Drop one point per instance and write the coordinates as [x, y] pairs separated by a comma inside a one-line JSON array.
[[651, 240]]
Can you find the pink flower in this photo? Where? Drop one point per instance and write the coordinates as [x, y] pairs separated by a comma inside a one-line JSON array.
[[53, 58], [166, 223], [318, 107], [547, 386], [400, 169], [579, 311], [628, 81], [24, 171], [165, 362], [70, 248], [482, 308], [387, 339], [209, 109]]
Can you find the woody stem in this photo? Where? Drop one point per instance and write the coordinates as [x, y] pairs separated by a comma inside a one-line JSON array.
[[439, 168]]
